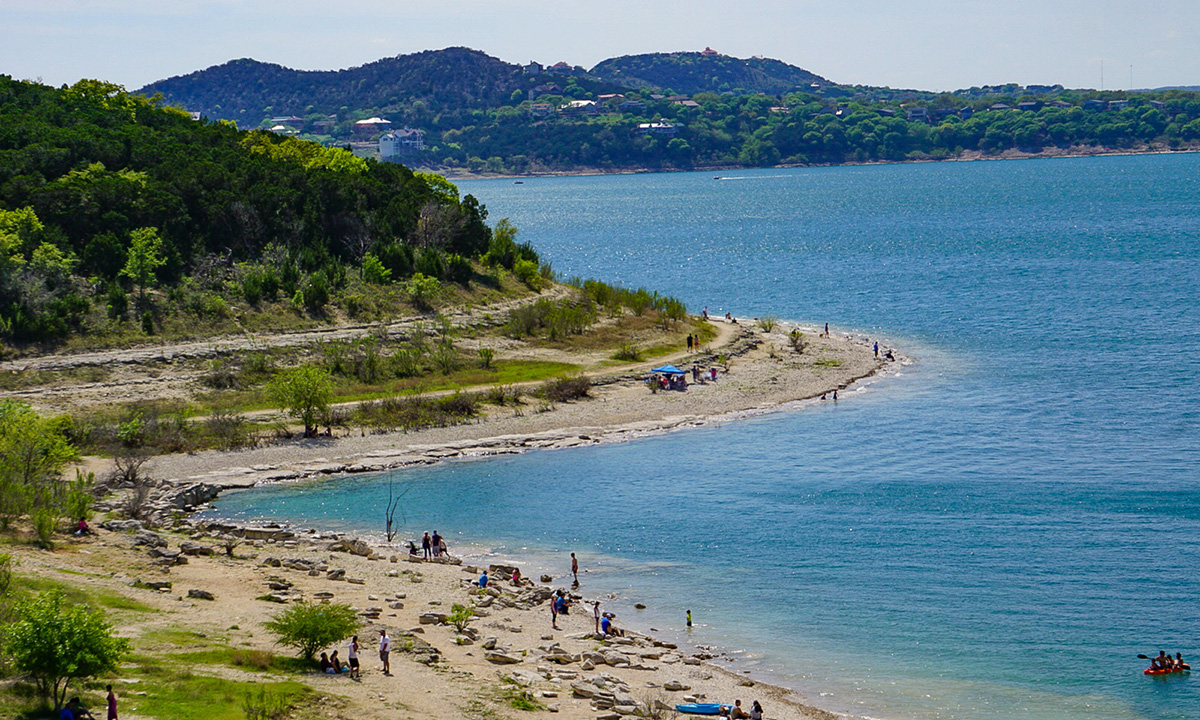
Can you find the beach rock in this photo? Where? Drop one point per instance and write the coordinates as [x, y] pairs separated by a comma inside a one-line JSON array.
[[195, 549], [671, 658], [431, 618], [490, 642], [393, 573], [639, 606], [201, 594], [151, 539], [121, 525], [675, 686], [609, 716], [501, 658], [547, 578], [272, 562], [502, 571], [396, 605], [616, 659], [691, 661], [587, 665], [323, 596], [336, 574], [356, 581], [152, 584]]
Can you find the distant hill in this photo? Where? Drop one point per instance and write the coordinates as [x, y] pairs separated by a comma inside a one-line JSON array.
[[693, 72], [247, 90]]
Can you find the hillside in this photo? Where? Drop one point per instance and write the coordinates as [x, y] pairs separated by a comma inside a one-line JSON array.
[[118, 216], [689, 73], [247, 90]]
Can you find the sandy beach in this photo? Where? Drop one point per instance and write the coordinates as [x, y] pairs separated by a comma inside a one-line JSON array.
[[511, 646]]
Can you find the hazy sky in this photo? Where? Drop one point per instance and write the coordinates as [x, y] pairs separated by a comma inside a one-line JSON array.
[[924, 44]]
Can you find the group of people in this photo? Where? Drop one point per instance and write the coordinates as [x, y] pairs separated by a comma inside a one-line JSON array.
[[1163, 661], [735, 711], [331, 664], [433, 546], [74, 709]]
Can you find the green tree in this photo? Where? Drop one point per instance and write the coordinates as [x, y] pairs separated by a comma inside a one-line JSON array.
[[33, 451], [144, 259], [423, 290], [55, 644], [305, 392], [308, 627], [374, 271]]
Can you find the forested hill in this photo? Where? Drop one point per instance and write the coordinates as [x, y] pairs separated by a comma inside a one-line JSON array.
[[694, 72], [248, 90], [103, 192]]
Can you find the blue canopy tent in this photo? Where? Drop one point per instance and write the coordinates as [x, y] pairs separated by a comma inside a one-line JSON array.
[[668, 370]]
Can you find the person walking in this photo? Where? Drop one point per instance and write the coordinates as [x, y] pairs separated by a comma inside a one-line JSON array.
[[385, 649], [112, 703], [575, 567], [689, 342]]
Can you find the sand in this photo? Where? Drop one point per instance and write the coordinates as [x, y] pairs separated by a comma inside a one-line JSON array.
[[765, 375]]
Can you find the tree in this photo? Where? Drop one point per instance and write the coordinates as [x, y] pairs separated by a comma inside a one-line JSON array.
[[55, 644], [144, 259], [305, 392], [33, 451], [308, 627]]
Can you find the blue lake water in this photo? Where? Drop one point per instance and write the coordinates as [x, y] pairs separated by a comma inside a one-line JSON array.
[[993, 534]]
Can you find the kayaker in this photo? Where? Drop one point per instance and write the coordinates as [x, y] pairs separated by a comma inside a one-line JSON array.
[[1162, 662], [1179, 663]]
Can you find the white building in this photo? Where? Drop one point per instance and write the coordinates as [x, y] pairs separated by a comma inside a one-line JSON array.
[[400, 142]]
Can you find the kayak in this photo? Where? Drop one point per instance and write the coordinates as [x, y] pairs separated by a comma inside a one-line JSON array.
[[1165, 671], [699, 708]]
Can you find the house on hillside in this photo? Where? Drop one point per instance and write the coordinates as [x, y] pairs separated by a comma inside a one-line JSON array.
[[1030, 106], [662, 127], [1094, 105], [632, 106], [579, 107], [371, 126], [560, 68], [688, 103], [291, 121], [400, 142], [533, 68], [1118, 104], [709, 52], [917, 114], [540, 110]]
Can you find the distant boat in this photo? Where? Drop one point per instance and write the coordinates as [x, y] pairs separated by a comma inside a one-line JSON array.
[[717, 177], [518, 182]]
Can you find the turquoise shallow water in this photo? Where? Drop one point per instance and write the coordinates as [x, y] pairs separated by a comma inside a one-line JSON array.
[[995, 533]]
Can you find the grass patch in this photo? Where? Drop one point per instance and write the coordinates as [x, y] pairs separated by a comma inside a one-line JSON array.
[[828, 363], [250, 659], [28, 585], [193, 697]]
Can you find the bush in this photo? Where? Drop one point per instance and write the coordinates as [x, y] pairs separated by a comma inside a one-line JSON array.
[[374, 271], [423, 290], [527, 272], [460, 616], [55, 644], [308, 627], [768, 323], [305, 392], [565, 389]]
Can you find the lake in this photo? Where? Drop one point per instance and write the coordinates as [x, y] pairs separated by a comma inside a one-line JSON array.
[[992, 534]]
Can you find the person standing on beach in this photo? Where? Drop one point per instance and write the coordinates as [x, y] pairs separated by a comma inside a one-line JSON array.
[[436, 542], [689, 342], [876, 350], [554, 613], [426, 546], [596, 614], [385, 649], [575, 568], [112, 703], [352, 658]]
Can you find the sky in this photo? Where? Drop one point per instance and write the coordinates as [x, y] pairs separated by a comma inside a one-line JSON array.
[[919, 44]]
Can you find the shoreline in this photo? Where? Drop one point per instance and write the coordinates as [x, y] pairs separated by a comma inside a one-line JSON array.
[[759, 380], [764, 376], [967, 156]]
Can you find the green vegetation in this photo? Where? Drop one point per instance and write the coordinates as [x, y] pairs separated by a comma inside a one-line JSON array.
[[308, 627], [675, 110], [55, 645], [461, 616], [33, 452], [104, 193], [305, 392]]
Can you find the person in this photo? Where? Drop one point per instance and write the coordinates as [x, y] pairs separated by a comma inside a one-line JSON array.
[[516, 578], [877, 350], [705, 313], [826, 330], [326, 665], [442, 547], [385, 649], [596, 615], [352, 658], [436, 541], [835, 395], [689, 618], [1179, 663], [756, 711], [112, 703], [426, 546], [606, 625], [575, 567], [1161, 662], [483, 579], [563, 604], [336, 663], [689, 342], [74, 710], [737, 713], [713, 371], [554, 613], [728, 317], [723, 711], [82, 527], [889, 355]]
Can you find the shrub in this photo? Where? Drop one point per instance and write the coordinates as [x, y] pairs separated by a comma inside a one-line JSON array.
[[461, 615], [565, 389], [265, 706], [374, 271], [527, 272], [423, 290], [486, 357], [54, 644], [305, 392], [768, 323], [308, 627]]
